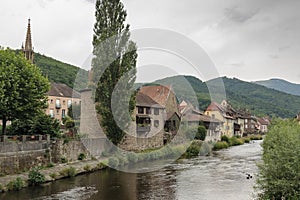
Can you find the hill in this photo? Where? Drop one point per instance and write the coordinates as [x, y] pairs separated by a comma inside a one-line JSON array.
[[258, 99], [60, 72], [281, 85]]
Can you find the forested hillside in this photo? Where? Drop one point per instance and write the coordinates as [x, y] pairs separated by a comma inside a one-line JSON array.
[[281, 85], [258, 99], [60, 72]]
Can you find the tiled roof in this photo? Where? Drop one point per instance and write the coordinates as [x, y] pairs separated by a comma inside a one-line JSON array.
[[62, 90], [144, 100], [226, 112], [158, 93], [191, 117], [262, 121]]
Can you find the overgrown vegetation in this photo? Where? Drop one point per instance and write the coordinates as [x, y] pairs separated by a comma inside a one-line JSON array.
[[35, 177], [81, 156], [68, 172], [234, 141], [279, 174], [15, 185]]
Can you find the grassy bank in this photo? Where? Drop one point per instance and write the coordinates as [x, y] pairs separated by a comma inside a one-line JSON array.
[[235, 141]]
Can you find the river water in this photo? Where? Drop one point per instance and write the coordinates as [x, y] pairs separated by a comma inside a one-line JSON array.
[[221, 176]]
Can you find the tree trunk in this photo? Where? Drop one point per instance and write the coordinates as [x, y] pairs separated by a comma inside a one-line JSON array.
[[4, 125]]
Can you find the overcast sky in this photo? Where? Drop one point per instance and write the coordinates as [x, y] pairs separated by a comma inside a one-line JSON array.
[[247, 39]]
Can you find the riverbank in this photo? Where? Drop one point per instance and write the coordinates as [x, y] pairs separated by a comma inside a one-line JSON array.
[[60, 171], [54, 173]]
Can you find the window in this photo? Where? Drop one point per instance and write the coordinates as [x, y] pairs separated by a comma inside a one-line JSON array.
[[213, 116], [156, 123], [51, 101], [64, 102], [156, 111], [51, 113], [246, 126], [69, 103], [148, 111], [140, 110], [174, 123], [246, 120], [57, 104], [63, 113]]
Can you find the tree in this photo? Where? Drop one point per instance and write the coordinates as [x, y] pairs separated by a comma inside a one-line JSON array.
[[279, 173], [114, 64], [22, 88], [201, 134]]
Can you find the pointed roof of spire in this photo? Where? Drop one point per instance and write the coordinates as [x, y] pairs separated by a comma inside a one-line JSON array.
[[28, 42]]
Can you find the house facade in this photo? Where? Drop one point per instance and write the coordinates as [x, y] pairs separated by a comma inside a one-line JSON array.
[[194, 117], [165, 97], [60, 99]]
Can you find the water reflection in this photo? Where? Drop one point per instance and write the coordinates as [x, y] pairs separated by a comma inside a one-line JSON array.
[[222, 176]]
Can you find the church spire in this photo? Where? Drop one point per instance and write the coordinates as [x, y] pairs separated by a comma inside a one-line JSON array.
[[28, 49]]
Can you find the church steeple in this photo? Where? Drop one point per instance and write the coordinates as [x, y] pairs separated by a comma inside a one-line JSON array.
[[28, 49]]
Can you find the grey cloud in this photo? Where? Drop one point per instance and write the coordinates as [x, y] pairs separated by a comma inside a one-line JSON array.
[[236, 15]]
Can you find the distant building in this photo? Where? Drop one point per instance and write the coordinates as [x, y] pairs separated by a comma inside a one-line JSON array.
[[60, 98], [28, 49], [165, 97], [263, 124], [194, 117]]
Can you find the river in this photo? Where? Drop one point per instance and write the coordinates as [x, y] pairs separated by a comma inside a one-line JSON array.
[[220, 176]]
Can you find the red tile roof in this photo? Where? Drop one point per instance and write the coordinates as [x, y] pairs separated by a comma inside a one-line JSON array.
[[144, 100], [158, 93]]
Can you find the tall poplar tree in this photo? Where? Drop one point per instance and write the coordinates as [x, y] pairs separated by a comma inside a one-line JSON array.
[[114, 61]]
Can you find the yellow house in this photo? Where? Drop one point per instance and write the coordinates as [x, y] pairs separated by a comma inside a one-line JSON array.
[[60, 99], [226, 115]]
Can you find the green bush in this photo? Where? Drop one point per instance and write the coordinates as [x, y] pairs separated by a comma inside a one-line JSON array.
[[225, 138], [87, 168], [221, 145], [132, 157], [201, 134], [53, 175], [279, 174], [81, 156], [50, 165], [256, 137], [235, 141], [15, 185], [194, 149], [246, 140], [113, 161], [35, 177], [68, 172]]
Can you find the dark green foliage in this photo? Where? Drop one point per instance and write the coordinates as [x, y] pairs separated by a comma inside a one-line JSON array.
[[35, 177], [193, 150], [221, 145], [225, 138], [60, 72], [41, 124], [68, 172], [22, 88], [15, 185], [280, 172], [81, 156], [201, 134], [234, 141], [115, 58]]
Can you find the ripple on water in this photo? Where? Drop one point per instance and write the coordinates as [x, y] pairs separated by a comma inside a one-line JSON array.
[[78, 193]]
